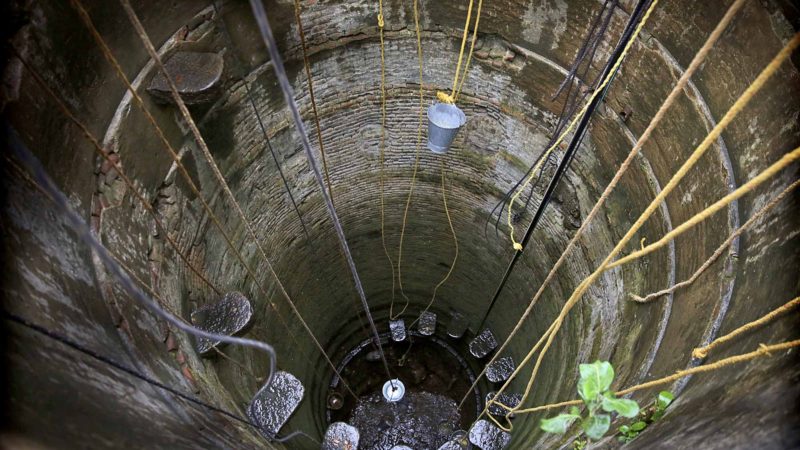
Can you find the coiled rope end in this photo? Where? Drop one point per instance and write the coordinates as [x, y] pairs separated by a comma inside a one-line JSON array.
[[517, 246]]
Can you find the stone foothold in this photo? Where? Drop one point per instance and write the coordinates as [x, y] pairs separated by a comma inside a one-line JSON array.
[[340, 436], [401, 447], [457, 326], [487, 436], [510, 400], [197, 76], [483, 344], [458, 441], [501, 369], [398, 330], [427, 323], [274, 403], [228, 316]]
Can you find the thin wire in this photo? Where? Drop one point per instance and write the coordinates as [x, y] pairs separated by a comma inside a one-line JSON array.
[[311, 95], [262, 127], [78, 6], [280, 72], [218, 174], [677, 90]]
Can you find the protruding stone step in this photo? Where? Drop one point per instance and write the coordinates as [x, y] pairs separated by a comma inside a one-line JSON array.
[[397, 329], [401, 447], [197, 76], [340, 436], [487, 436], [228, 316], [427, 323], [483, 344], [457, 326], [458, 441], [510, 400], [501, 369], [274, 403]]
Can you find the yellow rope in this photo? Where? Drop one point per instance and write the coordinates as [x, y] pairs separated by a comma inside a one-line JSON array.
[[768, 173], [676, 92], [457, 93], [420, 121], [383, 147], [702, 352], [518, 246], [718, 252], [740, 103], [763, 350]]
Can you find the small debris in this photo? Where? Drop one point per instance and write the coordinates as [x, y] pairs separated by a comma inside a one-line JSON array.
[[510, 400], [483, 344], [274, 403], [457, 326], [340, 436], [501, 369], [228, 316], [487, 436], [398, 330], [197, 76], [427, 323], [335, 401]]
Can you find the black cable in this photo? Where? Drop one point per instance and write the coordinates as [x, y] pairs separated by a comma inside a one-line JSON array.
[[569, 154], [241, 74]]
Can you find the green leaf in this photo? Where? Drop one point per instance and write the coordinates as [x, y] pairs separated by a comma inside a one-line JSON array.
[[596, 426], [624, 429], [575, 411], [664, 399], [625, 408], [558, 424], [639, 426], [595, 379]]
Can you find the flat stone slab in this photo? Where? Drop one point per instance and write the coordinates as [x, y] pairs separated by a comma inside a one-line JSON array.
[[227, 316], [457, 326], [397, 329], [197, 76], [401, 447], [483, 344], [501, 369], [274, 403], [510, 400], [340, 436], [487, 436], [427, 323]]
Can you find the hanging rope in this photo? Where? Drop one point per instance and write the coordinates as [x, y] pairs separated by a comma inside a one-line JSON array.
[[265, 30], [676, 92], [718, 252], [420, 121], [702, 352], [600, 89], [737, 107], [382, 174], [457, 93], [311, 95], [451, 98]]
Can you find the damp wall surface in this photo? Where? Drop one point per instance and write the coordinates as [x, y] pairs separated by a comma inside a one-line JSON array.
[[57, 398]]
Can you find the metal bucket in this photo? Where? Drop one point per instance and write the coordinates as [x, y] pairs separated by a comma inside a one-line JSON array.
[[444, 121]]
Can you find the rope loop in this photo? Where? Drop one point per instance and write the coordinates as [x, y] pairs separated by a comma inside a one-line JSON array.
[[380, 21], [444, 97]]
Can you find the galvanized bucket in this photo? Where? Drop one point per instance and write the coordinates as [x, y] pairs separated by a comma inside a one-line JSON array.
[[444, 121]]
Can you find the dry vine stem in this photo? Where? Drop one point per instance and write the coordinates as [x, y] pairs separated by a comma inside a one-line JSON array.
[[763, 350], [677, 90], [702, 352], [718, 252], [737, 107]]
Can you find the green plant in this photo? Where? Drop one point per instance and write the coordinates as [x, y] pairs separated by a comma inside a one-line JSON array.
[[648, 416], [593, 388]]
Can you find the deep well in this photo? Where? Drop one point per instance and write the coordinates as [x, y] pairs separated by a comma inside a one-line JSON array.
[[59, 398]]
